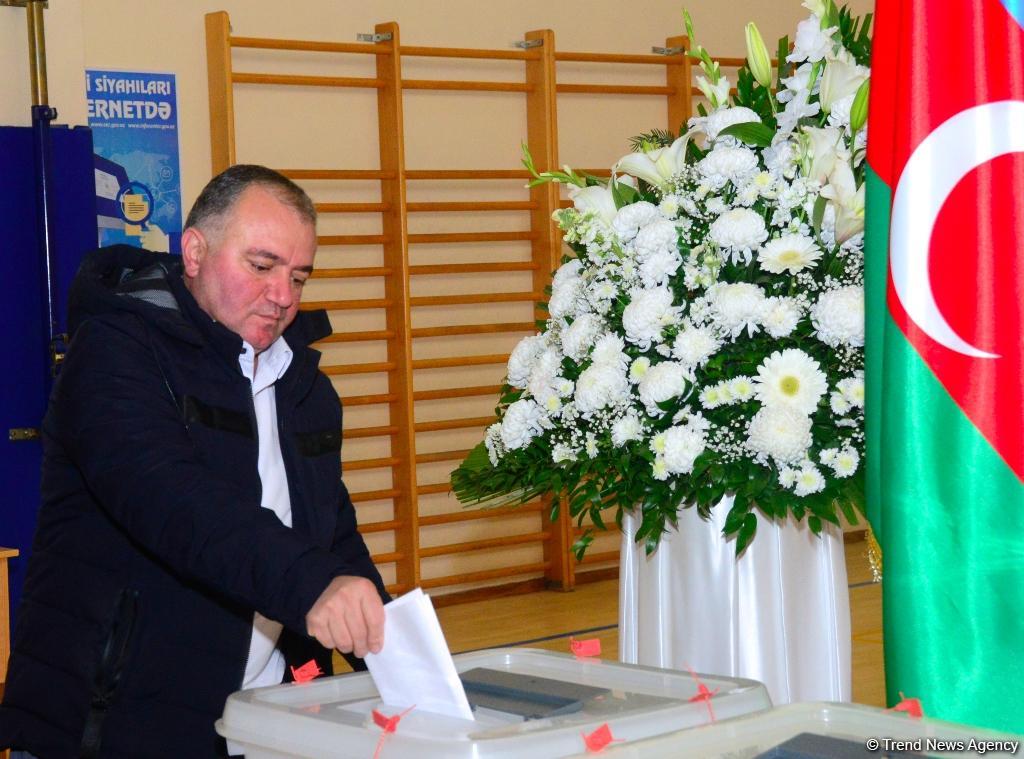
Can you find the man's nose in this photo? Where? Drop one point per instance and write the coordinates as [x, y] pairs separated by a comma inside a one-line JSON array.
[[279, 290]]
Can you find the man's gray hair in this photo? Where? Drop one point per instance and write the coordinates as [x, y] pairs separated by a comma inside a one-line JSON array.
[[222, 192]]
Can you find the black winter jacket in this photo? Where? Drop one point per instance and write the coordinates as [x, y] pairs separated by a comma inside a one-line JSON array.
[[152, 551]]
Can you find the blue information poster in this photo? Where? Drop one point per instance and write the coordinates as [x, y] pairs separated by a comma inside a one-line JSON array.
[[134, 121]]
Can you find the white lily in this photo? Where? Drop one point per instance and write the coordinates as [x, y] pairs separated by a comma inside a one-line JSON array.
[[840, 79], [821, 148], [812, 42], [758, 60], [717, 92], [655, 167], [596, 198], [848, 200], [817, 7]]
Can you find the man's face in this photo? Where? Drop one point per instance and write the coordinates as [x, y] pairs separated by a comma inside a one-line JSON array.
[[249, 274]]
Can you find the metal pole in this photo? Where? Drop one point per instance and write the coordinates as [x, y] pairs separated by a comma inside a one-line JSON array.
[[42, 115], [37, 52]]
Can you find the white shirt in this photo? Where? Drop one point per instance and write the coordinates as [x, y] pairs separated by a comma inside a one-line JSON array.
[[265, 665]]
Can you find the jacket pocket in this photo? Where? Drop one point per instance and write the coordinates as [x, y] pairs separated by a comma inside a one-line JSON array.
[[111, 667], [318, 443], [216, 417]]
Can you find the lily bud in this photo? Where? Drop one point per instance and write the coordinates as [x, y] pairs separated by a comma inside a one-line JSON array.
[[859, 109], [757, 56]]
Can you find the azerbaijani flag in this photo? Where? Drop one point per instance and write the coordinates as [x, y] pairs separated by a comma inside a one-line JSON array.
[[945, 352]]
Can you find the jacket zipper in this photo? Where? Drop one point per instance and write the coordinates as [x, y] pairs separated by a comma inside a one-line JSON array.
[[259, 496]]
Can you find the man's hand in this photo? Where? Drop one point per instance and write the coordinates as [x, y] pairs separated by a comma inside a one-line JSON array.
[[348, 616]]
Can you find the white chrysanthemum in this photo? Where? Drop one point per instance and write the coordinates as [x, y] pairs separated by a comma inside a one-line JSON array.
[[522, 359], [678, 448], [658, 267], [791, 378], [669, 206], [838, 403], [780, 432], [781, 159], [648, 312], [739, 231], [630, 219], [838, 316], [608, 350], [846, 462], [601, 291], [808, 480], [492, 441], [600, 386], [661, 382], [626, 428], [658, 469], [566, 295], [578, 337], [787, 477], [695, 345], [852, 389], [569, 270], [781, 315], [638, 369], [660, 236], [728, 164], [545, 368], [721, 118], [711, 397], [563, 386], [523, 421], [790, 253], [543, 390], [741, 388], [736, 306], [561, 452]]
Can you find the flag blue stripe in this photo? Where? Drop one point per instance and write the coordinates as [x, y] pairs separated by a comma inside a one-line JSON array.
[[1016, 9]]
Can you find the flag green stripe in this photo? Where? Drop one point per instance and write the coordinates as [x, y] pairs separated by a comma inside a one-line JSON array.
[[876, 272], [954, 553]]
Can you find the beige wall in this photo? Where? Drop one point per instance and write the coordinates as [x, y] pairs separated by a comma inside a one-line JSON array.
[[66, 62], [148, 35]]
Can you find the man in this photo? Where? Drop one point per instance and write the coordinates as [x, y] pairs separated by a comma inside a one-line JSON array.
[[195, 536]]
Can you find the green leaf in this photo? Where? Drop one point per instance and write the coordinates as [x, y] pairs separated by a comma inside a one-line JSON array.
[[735, 518], [818, 213], [847, 509], [746, 533], [477, 458], [784, 65], [815, 524], [656, 138], [579, 548], [751, 133], [624, 195]]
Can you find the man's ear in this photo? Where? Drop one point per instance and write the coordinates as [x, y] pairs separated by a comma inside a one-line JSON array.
[[193, 250]]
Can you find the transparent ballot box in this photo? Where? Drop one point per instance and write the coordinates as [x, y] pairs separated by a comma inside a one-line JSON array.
[[527, 703], [820, 730]]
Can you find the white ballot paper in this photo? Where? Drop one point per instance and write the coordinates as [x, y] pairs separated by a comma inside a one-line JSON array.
[[415, 667]]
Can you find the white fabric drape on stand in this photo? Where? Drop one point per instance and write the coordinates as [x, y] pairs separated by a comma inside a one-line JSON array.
[[779, 614]]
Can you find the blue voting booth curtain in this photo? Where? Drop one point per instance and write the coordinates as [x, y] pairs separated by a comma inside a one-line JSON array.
[[25, 376]]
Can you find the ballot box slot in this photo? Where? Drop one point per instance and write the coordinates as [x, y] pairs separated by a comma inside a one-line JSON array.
[[526, 696]]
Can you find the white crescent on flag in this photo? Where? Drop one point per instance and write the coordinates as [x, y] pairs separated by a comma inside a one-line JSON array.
[[956, 147]]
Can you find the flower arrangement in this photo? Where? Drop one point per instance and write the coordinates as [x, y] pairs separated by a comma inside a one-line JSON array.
[[707, 336]]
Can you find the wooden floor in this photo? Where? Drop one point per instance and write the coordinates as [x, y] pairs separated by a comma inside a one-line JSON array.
[[548, 619]]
